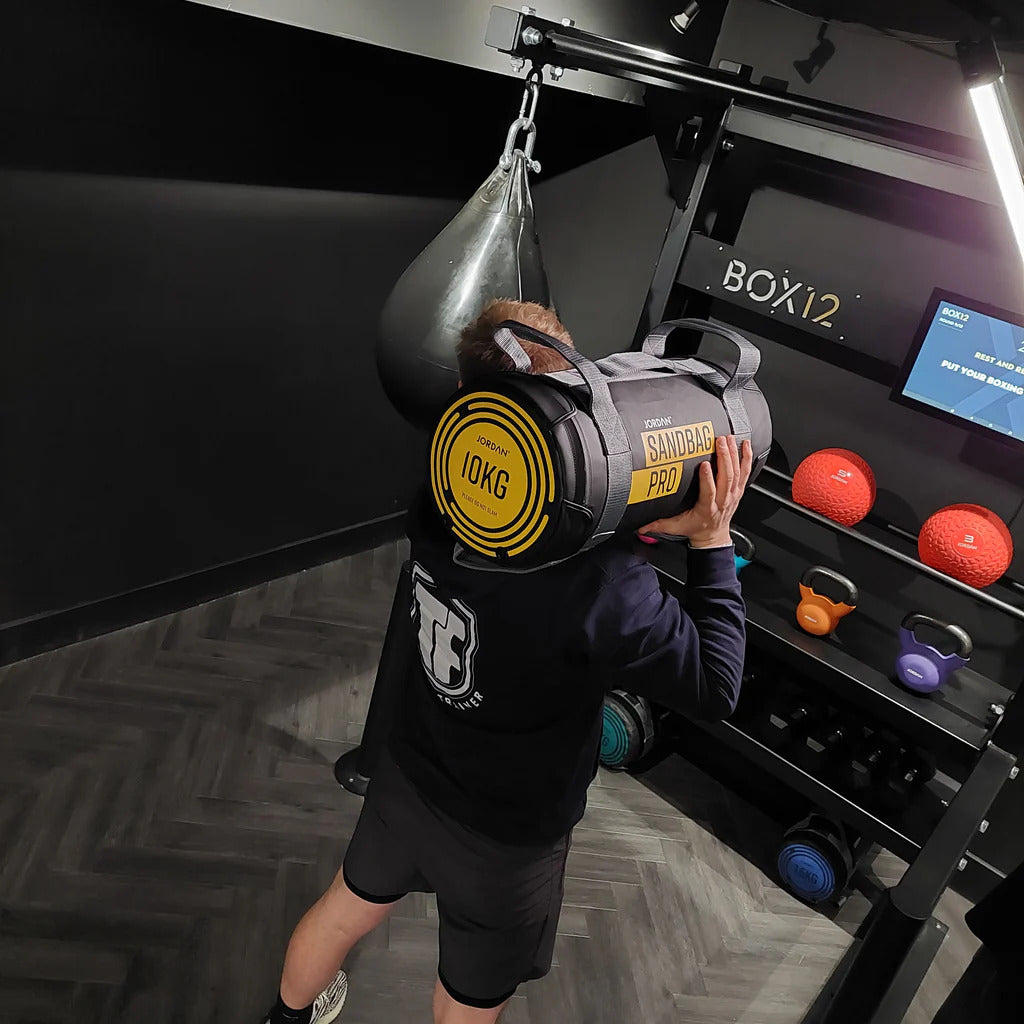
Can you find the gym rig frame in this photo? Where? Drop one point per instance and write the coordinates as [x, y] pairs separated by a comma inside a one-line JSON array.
[[700, 115]]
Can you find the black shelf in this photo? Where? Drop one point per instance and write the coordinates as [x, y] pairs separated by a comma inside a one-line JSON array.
[[933, 723], [904, 838], [956, 720], [982, 596]]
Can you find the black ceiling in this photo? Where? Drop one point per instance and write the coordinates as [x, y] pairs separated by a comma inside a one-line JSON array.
[[939, 19]]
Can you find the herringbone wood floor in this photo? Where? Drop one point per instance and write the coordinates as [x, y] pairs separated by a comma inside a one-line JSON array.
[[167, 812]]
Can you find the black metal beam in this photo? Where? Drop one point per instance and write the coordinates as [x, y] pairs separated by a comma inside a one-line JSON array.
[[931, 871], [900, 917], [901, 992], [665, 271], [684, 218], [969, 180], [547, 42]]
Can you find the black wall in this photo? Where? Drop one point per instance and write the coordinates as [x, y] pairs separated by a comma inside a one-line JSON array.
[[896, 245], [189, 375], [200, 217], [602, 226], [917, 80]]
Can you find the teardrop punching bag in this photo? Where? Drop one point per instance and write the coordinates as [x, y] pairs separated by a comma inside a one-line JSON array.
[[489, 251]]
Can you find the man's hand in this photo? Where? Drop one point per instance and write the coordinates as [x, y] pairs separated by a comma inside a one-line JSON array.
[[706, 525]]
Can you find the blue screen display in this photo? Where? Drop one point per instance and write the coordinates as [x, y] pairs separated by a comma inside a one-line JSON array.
[[972, 365]]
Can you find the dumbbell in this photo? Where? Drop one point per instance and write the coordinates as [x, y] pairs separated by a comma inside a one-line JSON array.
[[898, 786], [826, 743], [871, 759], [783, 726]]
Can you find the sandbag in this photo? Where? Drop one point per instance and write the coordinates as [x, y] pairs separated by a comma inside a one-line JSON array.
[[529, 470]]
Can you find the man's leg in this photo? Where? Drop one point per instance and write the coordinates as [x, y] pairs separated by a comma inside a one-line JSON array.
[[498, 910], [447, 1011], [322, 940]]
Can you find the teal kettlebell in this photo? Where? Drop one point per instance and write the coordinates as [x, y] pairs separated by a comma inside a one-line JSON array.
[[745, 550]]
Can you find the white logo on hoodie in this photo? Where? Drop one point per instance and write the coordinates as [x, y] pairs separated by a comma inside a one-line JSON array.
[[448, 641]]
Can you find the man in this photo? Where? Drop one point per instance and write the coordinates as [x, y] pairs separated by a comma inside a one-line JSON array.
[[498, 736]]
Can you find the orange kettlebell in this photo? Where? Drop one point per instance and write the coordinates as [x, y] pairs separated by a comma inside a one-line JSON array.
[[818, 614]]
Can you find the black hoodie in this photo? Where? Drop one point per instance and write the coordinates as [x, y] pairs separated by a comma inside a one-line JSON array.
[[500, 726]]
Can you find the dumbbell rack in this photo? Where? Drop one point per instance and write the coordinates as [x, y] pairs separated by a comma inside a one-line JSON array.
[[885, 964], [890, 955]]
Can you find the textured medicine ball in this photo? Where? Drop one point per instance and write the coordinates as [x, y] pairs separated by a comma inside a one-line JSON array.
[[969, 542], [836, 483]]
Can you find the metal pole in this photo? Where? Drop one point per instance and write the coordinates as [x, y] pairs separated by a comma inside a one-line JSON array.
[[663, 68], [898, 556], [355, 768], [543, 41], [678, 236], [897, 920], [883, 524]]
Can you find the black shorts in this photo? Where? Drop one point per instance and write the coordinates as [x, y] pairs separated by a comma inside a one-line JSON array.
[[498, 905]]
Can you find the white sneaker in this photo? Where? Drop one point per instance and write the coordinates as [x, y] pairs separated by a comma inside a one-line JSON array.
[[328, 1004]]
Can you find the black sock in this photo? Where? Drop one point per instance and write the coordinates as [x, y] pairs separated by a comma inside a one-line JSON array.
[[283, 1014]]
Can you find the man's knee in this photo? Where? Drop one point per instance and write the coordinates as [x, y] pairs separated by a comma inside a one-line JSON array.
[[448, 1010], [348, 915]]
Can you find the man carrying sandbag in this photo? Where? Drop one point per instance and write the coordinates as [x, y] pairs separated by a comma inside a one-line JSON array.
[[497, 738]]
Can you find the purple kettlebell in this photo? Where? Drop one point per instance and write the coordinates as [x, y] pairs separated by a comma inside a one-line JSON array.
[[922, 667]]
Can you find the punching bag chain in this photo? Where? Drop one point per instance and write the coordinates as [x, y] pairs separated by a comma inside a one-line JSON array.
[[524, 123]]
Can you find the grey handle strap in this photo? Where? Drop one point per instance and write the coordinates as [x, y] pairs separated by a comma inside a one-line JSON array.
[[606, 416], [750, 355], [509, 344], [601, 406], [730, 387]]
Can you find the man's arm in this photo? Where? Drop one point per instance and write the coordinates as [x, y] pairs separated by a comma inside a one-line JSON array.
[[690, 661], [641, 639]]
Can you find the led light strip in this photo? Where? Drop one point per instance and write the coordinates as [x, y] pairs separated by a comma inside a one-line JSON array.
[[992, 118]]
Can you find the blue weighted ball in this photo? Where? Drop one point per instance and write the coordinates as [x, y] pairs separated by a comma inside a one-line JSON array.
[[627, 731], [815, 861], [614, 738], [807, 872]]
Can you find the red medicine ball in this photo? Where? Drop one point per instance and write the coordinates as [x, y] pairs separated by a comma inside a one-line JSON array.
[[837, 483], [968, 542]]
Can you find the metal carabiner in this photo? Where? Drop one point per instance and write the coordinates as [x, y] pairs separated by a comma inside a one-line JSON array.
[[530, 94], [525, 122], [531, 139], [520, 124]]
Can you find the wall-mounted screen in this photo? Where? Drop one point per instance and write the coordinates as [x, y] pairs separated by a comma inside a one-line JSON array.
[[967, 366]]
